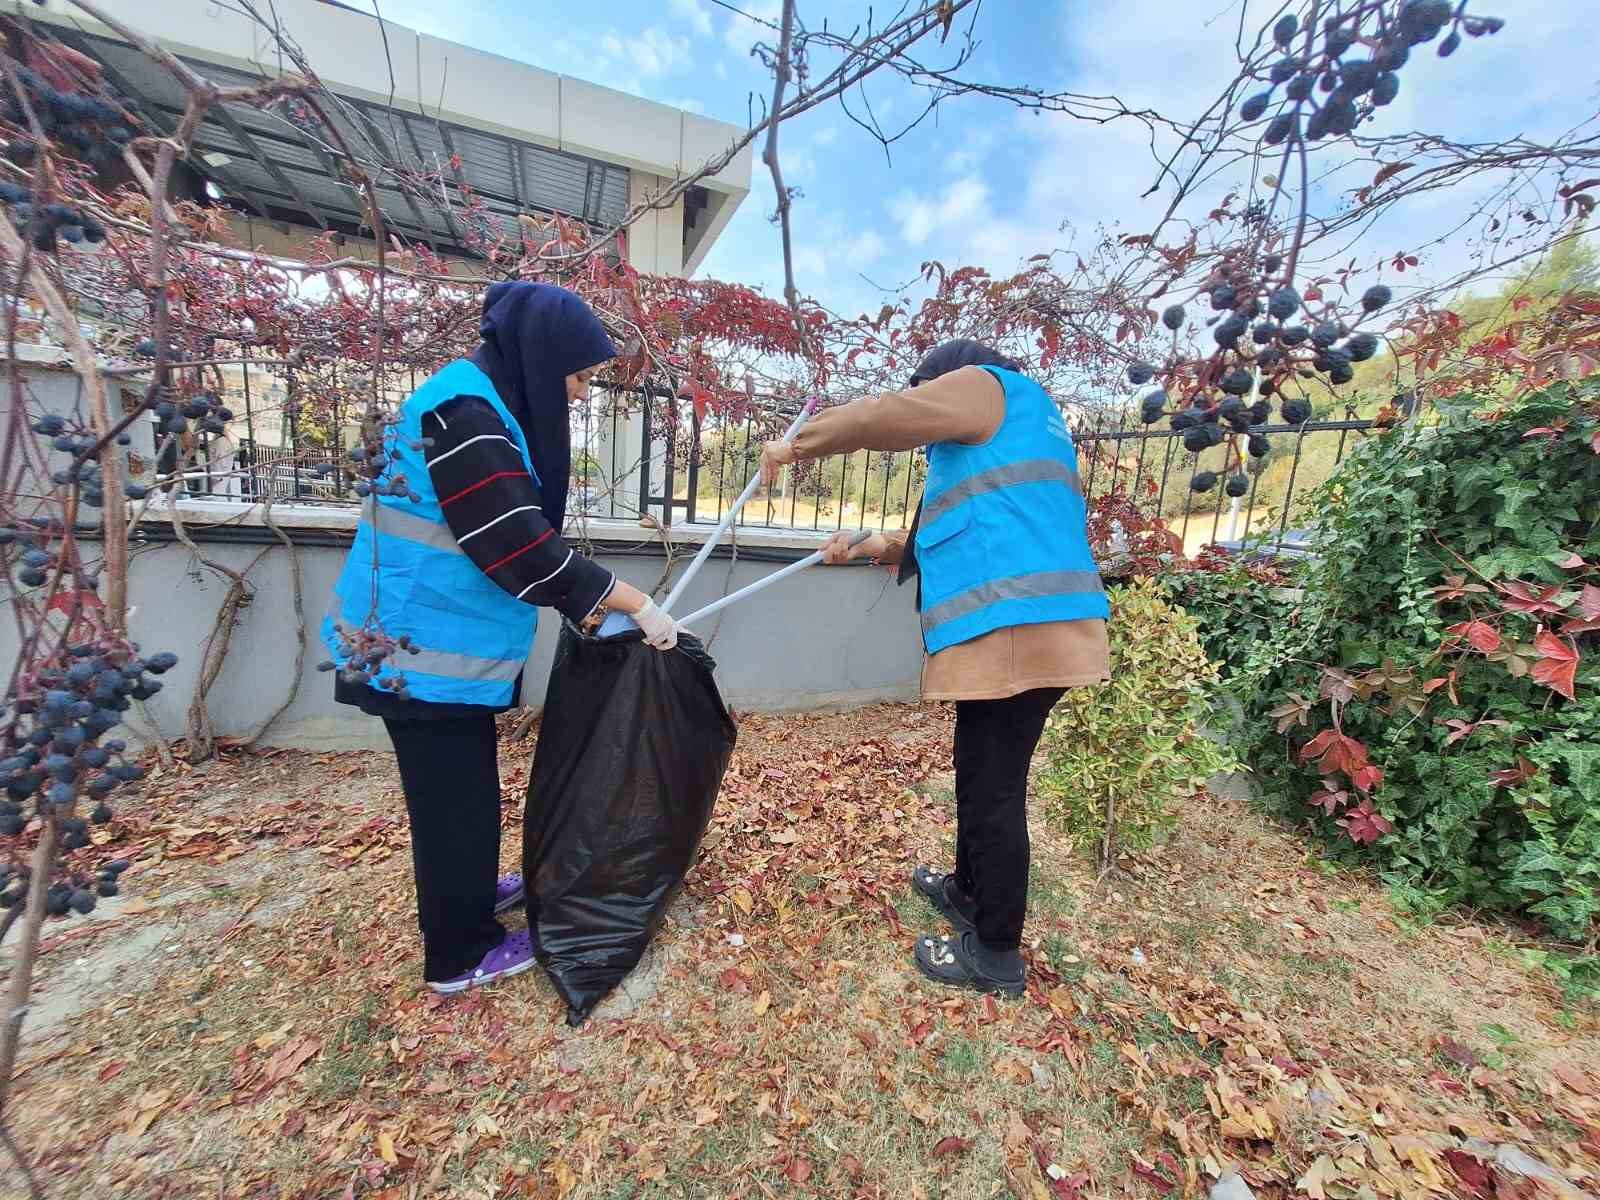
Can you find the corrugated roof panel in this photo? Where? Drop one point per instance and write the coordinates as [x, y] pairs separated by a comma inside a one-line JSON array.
[[549, 180]]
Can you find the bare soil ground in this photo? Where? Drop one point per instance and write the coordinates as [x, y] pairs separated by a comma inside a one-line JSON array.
[[248, 1019]]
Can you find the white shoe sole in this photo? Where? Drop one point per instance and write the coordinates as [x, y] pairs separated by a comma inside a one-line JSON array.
[[452, 989]]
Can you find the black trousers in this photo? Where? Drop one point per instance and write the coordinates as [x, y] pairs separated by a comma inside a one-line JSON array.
[[451, 774], [995, 741]]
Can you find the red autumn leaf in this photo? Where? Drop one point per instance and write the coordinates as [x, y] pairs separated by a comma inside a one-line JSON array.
[[1589, 602], [1388, 172], [111, 1070], [1525, 598], [1512, 776], [1152, 1176], [1473, 1172], [1365, 778], [1460, 730], [921, 1032], [1330, 800], [1482, 637], [798, 1170], [1364, 824], [1462, 1056], [734, 982], [951, 1145], [852, 1166], [1557, 667], [293, 1123], [1575, 563]]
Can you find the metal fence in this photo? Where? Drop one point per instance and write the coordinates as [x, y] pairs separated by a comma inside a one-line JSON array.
[[630, 463]]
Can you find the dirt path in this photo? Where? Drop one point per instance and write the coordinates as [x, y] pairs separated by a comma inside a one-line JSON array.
[[248, 1022]]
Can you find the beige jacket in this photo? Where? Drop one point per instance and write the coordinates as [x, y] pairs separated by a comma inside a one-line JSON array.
[[963, 406]]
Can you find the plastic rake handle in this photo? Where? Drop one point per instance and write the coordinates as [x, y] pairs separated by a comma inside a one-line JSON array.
[[765, 581], [693, 568]]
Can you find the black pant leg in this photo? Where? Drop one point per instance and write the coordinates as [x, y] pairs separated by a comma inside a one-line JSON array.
[[997, 738], [972, 749], [451, 775]]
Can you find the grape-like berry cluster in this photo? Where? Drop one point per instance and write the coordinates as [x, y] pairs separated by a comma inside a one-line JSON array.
[[45, 223], [93, 127], [1329, 83], [57, 755], [367, 653], [1265, 332]]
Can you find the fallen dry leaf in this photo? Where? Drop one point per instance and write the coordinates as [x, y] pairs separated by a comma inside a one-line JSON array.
[[951, 1145]]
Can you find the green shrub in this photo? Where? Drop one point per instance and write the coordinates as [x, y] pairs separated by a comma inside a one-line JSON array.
[[1458, 565], [1236, 606], [1119, 758]]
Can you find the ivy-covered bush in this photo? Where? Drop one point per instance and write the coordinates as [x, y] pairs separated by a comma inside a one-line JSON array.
[[1120, 758], [1237, 604], [1438, 702]]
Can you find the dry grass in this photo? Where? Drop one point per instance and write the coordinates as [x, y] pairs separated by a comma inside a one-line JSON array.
[[285, 1049]]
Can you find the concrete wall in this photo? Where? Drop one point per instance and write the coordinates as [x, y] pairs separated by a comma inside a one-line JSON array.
[[831, 636], [828, 637]]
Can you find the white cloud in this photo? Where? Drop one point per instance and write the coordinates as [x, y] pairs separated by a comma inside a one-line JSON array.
[[720, 70], [694, 14], [827, 136], [655, 52], [958, 205]]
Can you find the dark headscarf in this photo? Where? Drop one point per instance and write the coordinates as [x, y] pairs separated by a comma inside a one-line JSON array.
[[941, 360], [534, 336]]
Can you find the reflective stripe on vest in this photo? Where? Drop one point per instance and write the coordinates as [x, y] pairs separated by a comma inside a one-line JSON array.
[[1003, 538], [1014, 587], [394, 523], [1039, 470]]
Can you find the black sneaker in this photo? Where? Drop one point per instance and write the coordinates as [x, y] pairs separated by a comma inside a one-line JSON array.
[[959, 962], [940, 890]]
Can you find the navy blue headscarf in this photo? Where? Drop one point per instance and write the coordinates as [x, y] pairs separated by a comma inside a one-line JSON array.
[[941, 360], [534, 336]]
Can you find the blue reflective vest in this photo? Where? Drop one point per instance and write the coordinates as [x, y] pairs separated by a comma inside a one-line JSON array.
[[472, 637], [1003, 539]]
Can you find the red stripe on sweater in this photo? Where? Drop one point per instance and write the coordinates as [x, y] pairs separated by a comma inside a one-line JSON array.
[[484, 483], [543, 537]]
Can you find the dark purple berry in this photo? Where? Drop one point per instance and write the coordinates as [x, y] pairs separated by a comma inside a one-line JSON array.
[[1255, 107]]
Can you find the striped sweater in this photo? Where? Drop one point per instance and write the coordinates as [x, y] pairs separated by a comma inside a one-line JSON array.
[[493, 509]]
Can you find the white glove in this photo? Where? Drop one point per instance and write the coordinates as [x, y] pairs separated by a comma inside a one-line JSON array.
[[660, 630]]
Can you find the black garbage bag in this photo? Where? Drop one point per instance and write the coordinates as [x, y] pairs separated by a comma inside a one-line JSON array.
[[632, 751]]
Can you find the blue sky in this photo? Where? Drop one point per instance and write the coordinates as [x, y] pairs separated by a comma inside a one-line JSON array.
[[982, 182]]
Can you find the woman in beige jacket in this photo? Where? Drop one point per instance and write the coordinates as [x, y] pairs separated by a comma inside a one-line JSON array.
[[997, 446]]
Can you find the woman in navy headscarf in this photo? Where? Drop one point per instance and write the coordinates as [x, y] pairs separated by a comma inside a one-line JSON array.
[[453, 572]]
